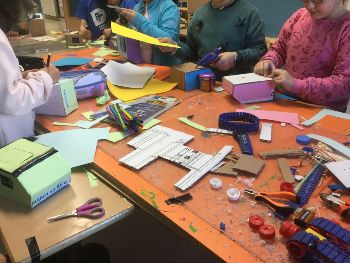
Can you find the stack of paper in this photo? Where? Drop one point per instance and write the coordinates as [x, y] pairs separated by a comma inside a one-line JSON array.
[[127, 75]]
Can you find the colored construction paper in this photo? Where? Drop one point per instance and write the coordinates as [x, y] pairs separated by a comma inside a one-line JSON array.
[[127, 75], [323, 113], [71, 61], [287, 117], [104, 52], [150, 124], [116, 136], [87, 115], [81, 124], [92, 179], [192, 124], [130, 33], [154, 86], [76, 146]]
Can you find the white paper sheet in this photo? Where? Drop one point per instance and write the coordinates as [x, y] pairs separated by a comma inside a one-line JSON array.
[[127, 75], [77, 146], [341, 170]]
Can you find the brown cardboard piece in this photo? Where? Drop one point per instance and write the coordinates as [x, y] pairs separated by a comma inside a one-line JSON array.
[[178, 74], [288, 153], [37, 27], [285, 170], [241, 163]]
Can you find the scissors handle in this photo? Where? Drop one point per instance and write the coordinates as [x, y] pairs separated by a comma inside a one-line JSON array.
[[94, 213], [91, 203]]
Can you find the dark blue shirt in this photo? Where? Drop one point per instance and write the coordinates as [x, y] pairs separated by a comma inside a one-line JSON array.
[[94, 12]]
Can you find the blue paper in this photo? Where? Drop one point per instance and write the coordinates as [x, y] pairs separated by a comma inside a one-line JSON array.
[[71, 61], [281, 96]]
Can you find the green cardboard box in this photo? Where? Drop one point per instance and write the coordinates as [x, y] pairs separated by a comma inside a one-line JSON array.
[[31, 172]]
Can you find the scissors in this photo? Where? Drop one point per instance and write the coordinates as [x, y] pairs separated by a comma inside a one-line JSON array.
[[91, 209]]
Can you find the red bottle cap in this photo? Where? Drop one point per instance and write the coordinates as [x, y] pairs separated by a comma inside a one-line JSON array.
[[267, 232], [256, 221], [288, 187], [288, 229]]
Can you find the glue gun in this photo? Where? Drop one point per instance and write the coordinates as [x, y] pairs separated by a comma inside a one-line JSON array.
[[209, 58]]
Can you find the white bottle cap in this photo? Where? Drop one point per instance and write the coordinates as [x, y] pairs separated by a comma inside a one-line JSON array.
[[233, 194], [215, 183]]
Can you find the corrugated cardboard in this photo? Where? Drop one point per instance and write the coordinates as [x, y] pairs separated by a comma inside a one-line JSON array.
[[186, 75], [37, 27], [62, 100]]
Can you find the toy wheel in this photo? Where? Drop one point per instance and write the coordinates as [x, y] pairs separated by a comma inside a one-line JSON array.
[[296, 249]]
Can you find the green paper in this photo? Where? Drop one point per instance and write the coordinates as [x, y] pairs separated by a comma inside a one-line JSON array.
[[116, 136], [92, 179], [103, 52], [103, 99], [193, 229], [150, 124], [87, 115], [192, 124], [20, 152]]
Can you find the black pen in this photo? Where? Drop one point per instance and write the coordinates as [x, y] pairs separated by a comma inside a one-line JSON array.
[[48, 59]]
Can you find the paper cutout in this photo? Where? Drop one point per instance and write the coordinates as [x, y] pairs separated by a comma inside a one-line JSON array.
[[169, 144], [104, 52], [76, 146], [154, 86], [323, 113], [92, 179], [332, 143], [150, 124], [81, 124], [286, 117], [130, 33], [102, 100], [341, 170], [192, 124], [71, 61], [127, 75], [87, 115]]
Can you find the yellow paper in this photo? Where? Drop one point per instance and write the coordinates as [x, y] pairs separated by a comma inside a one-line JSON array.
[[130, 33], [154, 86]]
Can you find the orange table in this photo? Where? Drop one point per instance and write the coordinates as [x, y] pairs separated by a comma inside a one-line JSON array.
[[200, 218]]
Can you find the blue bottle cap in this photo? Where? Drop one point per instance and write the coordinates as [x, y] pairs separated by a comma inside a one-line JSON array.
[[303, 139]]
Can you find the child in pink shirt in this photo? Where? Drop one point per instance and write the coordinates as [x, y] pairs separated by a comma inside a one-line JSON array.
[[314, 48]]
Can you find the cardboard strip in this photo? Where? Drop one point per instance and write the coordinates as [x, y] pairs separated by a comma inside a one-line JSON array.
[[285, 170]]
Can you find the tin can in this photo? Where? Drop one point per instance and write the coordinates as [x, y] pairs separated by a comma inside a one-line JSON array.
[[206, 81]]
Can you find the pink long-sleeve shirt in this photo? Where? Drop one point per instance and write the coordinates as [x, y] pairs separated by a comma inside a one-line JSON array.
[[317, 54], [18, 96]]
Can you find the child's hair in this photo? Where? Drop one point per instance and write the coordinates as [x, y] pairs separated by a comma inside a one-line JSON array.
[[10, 14]]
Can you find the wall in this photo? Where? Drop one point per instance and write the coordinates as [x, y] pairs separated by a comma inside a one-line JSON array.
[[275, 13]]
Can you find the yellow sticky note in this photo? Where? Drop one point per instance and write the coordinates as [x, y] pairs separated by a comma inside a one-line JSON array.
[[154, 86], [87, 115], [130, 33]]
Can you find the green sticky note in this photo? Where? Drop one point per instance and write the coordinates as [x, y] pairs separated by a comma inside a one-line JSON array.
[[92, 179], [150, 124], [20, 152], [192, 124], [116, 136]]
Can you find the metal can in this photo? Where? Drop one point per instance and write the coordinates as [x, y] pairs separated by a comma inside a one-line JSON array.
[[206, 81]]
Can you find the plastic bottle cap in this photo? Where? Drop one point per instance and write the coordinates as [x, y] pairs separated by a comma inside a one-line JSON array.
[[233, 194], [256, 221], [215, 183], [288, 229], [267, 232], [303, 139]]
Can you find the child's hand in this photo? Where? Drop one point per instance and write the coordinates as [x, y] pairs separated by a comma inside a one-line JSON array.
[[170, 50], [53, 72], [128, 14], [264, 68], [227, 60], [282, 77], [86, 32]]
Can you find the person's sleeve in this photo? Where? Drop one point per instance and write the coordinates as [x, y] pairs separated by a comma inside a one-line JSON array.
[[255, 41], [17, 95], [336, 87], [168, 23], [278, 51], [82, 11], [188, 50]]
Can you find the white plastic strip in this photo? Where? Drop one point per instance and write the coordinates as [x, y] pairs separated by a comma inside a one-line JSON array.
[[323, 113], [217, 130], [332, 143]]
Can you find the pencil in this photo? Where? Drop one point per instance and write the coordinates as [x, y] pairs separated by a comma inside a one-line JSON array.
[[48, 59]]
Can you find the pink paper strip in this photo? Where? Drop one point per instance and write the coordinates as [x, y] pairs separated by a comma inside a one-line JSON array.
[[287, 117]]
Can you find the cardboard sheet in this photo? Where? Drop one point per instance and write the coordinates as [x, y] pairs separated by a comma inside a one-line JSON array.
[[84, 142], [154, 86], [127, 75], [130, 33]]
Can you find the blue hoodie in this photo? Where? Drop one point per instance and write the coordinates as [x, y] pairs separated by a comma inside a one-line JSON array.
[[164, 21]]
